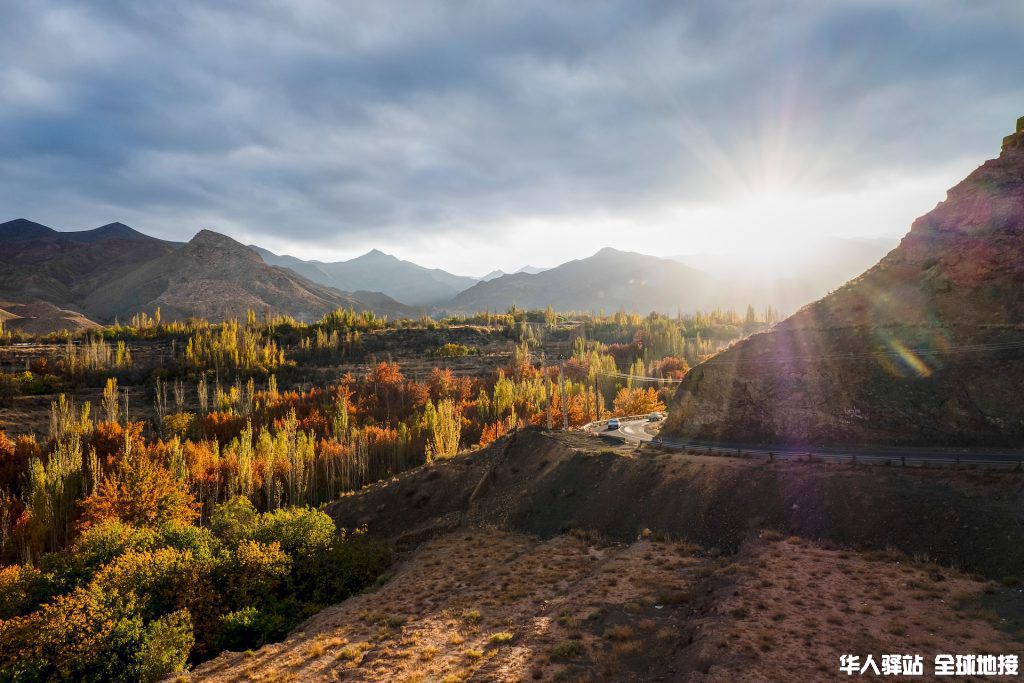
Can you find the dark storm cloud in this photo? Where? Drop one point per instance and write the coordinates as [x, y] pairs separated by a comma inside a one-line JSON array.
[[331, 121]]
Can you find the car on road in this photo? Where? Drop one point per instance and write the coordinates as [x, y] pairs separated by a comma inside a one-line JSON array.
[[613, 423], [655, 417]]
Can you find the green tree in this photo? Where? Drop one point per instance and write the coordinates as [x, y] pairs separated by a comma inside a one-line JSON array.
[[444, 429]]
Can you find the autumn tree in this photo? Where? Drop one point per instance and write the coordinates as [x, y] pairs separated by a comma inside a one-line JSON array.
[[444, 429], [139, 491], [638, 401], [670, 367]]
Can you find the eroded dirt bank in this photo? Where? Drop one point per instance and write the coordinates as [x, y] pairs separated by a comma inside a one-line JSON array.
[[547, 484]]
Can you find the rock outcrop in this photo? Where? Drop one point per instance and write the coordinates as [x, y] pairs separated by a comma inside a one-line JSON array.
[[924, 348]]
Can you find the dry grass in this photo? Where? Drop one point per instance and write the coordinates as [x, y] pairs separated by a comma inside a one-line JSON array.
[[798, 607], [491, 605], [495, 606]]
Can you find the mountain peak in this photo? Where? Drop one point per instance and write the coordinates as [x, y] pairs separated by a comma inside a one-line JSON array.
[[210, 242], [117, 227], [1015, 140], [114, 230], [24, 229], [494, 274], [209, 237], [376, 255]]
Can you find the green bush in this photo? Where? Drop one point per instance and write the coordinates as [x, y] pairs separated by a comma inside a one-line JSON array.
[[234, 520], [103, 542], [165, 646], [198, 540], [451, 350], [249, 628], [299, 531], [134, 604], [87, 635], [346, 568], [22, 589], [252, 573], [161, 580]]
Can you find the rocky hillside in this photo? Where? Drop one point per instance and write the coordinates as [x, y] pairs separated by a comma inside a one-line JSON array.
[[115, 271], [38, 263], [923, 348], [215, 277]]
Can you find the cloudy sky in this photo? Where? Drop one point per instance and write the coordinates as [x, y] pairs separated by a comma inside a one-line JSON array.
[[479, 135]]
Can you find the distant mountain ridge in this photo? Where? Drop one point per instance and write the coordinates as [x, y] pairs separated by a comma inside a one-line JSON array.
[[608, 280], [115, 271], [81, 271], [403, 280]]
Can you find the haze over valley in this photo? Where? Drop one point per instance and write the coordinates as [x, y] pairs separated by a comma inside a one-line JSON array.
[[115, 271]]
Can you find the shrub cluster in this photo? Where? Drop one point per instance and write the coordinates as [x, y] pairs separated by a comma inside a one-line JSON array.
[[136, 603]]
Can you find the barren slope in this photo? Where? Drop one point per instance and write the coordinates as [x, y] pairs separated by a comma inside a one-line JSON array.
[[924, 348], [63, 268], [215, 277], [42, 318], [565, 546]]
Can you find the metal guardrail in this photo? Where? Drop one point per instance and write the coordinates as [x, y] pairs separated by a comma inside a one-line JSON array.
[[903, 460], [604, 423], [853, 458]]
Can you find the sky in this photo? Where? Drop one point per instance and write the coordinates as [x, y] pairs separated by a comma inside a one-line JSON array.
[[481, 135]]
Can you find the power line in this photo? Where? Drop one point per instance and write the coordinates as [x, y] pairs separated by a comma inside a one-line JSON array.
[[955, 349], [896, 353], [623, 375]]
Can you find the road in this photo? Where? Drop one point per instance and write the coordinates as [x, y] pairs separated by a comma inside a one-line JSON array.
[[635, 431]]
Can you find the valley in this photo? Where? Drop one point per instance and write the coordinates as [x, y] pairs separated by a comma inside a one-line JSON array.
[[461, 342], [253, 476]]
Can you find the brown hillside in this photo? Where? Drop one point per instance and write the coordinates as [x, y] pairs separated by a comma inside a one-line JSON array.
[[549, 484], [924, 348], [215, 277], [63, 268], [42, 318]]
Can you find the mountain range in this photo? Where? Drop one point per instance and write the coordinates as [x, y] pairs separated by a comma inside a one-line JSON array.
[[114, 271], [609, 280], [405, 281], [923, 348]]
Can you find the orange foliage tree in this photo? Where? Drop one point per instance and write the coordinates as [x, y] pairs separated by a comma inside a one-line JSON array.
[[139, 491]]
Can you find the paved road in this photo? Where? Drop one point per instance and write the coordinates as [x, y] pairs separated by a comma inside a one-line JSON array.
[[635, 431]]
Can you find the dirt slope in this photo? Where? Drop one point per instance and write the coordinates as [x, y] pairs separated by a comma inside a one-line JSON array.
[[924, 348], [489, 605], [42, 318], [566, 546], [548, 484]]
